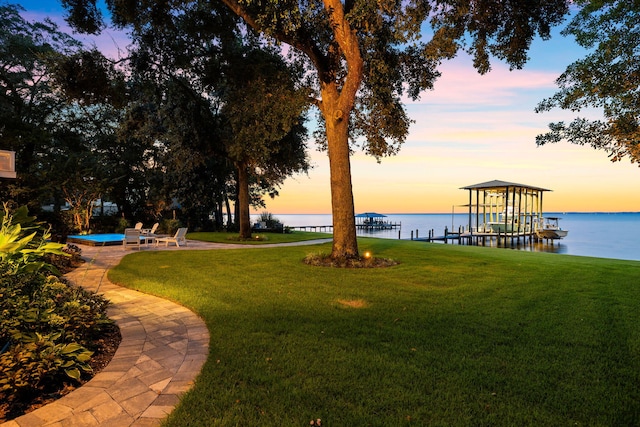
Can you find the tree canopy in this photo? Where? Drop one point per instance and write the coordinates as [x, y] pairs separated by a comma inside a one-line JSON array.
[[32, 112], [144, 137], [608, 79], [222, 96]]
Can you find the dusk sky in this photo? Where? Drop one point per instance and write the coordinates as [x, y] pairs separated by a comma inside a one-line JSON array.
[[469, 130]]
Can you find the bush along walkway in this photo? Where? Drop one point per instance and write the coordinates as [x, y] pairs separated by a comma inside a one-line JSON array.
[[163, 348]]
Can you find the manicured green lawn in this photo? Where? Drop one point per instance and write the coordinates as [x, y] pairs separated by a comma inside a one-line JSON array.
[[453, 336], [258, 238]]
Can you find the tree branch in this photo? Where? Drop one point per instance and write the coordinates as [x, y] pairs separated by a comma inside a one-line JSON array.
[[347, 40], [302, 40]]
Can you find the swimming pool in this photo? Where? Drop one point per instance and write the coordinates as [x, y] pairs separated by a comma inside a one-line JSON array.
[[107, 239]]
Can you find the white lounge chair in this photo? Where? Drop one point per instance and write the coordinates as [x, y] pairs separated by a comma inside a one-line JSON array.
[[178, 238], [154, 228], [131, 237], [149, 234], [151, 230], [138, 226]]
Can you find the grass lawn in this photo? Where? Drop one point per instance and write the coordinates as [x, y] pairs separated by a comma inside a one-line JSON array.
[[453, 336], [258, 238]]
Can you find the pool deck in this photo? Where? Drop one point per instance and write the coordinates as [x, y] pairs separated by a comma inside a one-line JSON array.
[[163, 348]]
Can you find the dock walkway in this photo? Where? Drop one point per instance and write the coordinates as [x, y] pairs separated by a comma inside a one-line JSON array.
[[477, 238], [359, 226]]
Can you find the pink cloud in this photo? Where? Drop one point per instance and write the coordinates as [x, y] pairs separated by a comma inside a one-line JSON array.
[[460, 84]]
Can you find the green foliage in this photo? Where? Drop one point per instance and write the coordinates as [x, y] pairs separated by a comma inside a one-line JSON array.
[[122, 224], [65, 147], [20, 249], [33, 304], [262, 107], [36, 362], [30, 109], [47, 327], [90, 78], [399, 54], [64, 263], [169, 226], [90, 19], [263, 111], [606, 79]]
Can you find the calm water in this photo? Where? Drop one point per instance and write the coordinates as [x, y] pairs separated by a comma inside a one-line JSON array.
[[604, 235]]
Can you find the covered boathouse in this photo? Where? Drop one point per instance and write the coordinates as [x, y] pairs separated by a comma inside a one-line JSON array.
[[373, 221], [504, 210]]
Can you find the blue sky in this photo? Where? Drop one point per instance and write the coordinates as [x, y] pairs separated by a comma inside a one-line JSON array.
[[469, 129]]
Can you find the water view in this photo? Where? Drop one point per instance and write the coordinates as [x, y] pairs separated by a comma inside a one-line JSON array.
[[604, 235]]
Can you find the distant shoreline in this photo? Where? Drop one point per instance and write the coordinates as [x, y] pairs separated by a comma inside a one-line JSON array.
[[599, 234]]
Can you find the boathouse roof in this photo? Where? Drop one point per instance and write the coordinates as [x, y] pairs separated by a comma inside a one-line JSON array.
[[497, 184], [370, 215]]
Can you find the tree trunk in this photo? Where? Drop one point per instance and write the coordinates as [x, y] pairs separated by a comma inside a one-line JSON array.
[[243, 200], [229, 216], [338, 100], [345, 242]]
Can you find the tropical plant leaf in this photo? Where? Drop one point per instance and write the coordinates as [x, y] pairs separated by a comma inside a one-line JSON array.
[[73, 373], [71, 348]]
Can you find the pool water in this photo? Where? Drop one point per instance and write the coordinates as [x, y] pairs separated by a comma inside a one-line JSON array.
[[107, 239]]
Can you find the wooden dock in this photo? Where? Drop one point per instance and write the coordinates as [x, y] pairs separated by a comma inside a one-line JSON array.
[[480, 239], [320, 228], [368, 221], [378, 226], [329, 228]]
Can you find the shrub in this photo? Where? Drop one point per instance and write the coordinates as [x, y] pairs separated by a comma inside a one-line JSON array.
[[21, 248], [271, 222], [122, 224], [169, 226], [37, 362], [47, 327], [68, 261]]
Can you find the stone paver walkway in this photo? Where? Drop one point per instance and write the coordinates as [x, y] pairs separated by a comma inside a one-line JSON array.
[[163, 348]]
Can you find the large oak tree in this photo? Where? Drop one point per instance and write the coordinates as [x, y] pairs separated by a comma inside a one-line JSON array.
[[221, 96], [363, 56]]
